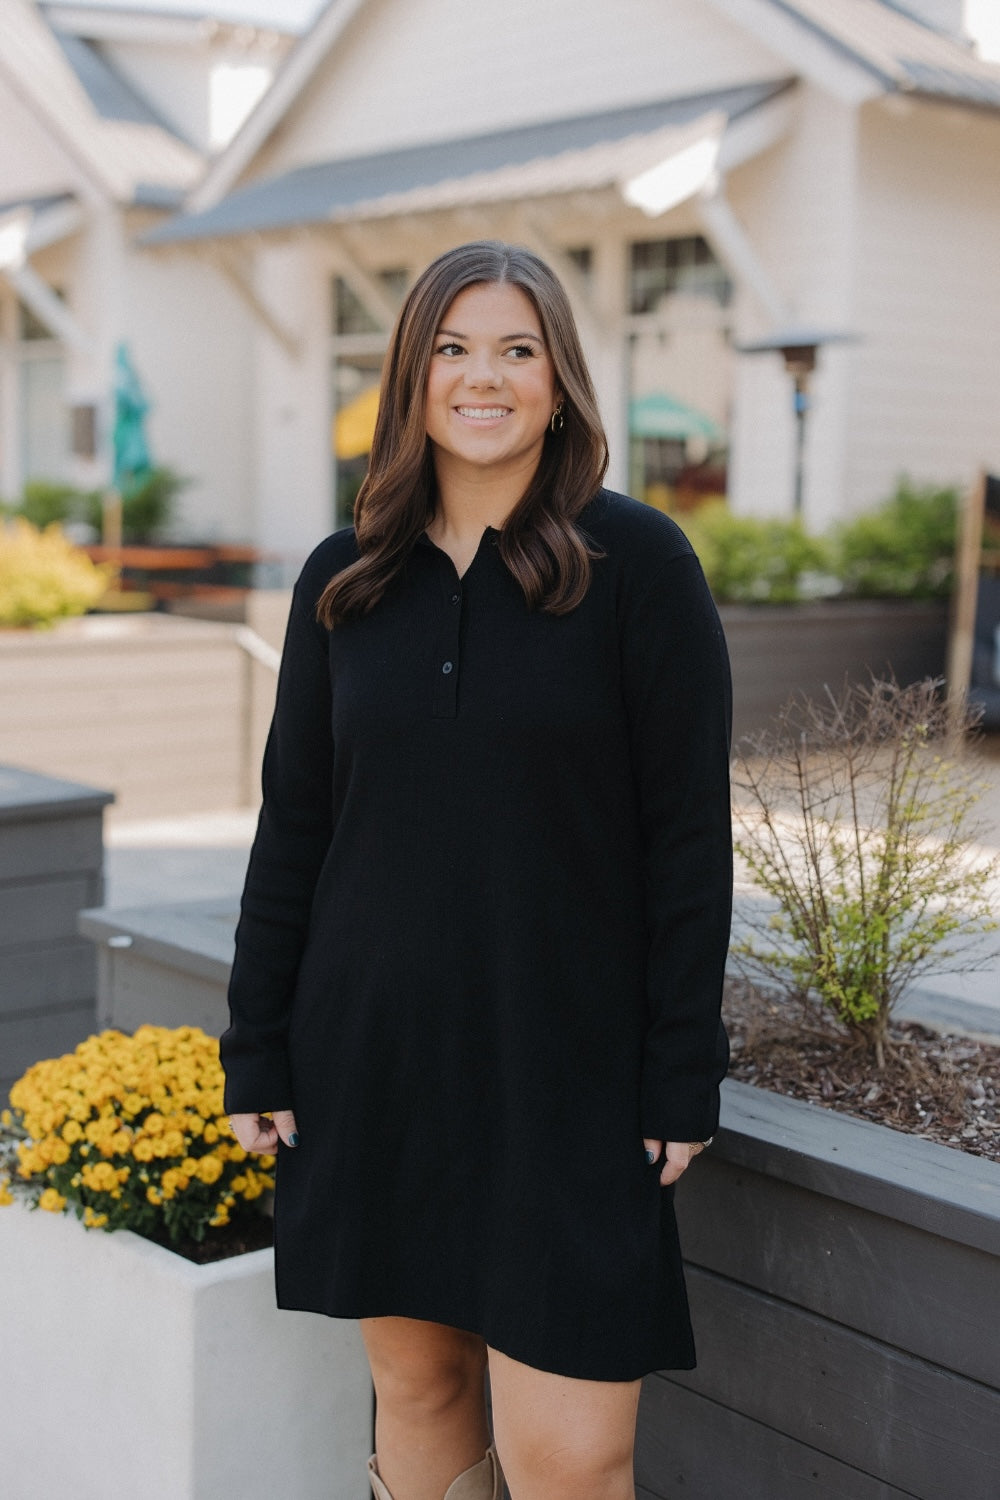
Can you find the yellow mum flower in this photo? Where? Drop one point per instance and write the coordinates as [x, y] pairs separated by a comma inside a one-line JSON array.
[[52, 1202], [153, 1123], [209, 1170], [211, 1134], [6, 1196], [93, 1220], [99, 1176], [153, 1196], [72, 1131], [238, 1184], [142, 1149]]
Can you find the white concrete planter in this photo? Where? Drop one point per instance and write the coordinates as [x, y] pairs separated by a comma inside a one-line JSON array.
[[131, 1372]]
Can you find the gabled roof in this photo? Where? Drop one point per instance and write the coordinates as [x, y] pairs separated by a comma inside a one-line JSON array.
[[893, 51], [111, 94], [583, 152], [298, 68], [899, 52], [130, 160]]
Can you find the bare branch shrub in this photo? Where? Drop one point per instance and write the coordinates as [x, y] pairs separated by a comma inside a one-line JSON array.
[[854, 815]]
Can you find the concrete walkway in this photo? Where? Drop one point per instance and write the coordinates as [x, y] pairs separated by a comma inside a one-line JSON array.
[[202, 856]]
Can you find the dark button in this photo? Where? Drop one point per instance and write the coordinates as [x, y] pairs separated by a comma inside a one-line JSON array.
[[455, 598], [447, 667]]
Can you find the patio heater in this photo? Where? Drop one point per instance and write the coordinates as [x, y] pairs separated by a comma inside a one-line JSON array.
[[799, 348]]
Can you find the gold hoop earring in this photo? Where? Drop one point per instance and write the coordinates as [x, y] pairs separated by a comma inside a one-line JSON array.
[[557, 421]]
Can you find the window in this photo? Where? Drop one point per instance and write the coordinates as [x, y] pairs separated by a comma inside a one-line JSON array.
[[582, 257], [350, 314], [663, 268]]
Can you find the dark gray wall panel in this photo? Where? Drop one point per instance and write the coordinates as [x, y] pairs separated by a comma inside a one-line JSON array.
[[901, 1284], [690, 1448], [933, 1434]]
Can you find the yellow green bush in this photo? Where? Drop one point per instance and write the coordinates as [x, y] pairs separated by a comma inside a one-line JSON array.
[[130, 1133], [43, 577]]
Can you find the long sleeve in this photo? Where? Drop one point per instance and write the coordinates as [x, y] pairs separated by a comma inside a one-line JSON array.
[[293, 835], [679, 698]]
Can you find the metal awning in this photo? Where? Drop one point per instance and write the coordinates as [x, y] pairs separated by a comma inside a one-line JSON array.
[[651, 153]]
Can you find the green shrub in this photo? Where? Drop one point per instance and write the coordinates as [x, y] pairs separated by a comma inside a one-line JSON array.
[[148, 507], [43, 577], [748, 560], [49, 502], [904, 548]]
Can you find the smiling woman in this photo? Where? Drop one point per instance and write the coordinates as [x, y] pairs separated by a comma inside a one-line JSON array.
[[483, 936]]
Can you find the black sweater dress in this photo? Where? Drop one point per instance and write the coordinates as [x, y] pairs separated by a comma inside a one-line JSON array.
[[482, 944]]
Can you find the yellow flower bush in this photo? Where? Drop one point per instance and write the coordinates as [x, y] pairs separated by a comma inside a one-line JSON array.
[[130, 1133], [43, 577]]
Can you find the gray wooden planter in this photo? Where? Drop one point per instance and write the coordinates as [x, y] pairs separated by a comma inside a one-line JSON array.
[[779, 649], [168, 965], [844, 1281], [51, 865]]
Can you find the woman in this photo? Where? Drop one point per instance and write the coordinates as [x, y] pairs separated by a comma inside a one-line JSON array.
[[482, 941]]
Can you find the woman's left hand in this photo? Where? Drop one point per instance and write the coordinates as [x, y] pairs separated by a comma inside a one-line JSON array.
[[680, 1154]]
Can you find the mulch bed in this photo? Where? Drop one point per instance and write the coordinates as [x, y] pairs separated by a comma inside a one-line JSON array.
[[943, 1087], [253, 1232]]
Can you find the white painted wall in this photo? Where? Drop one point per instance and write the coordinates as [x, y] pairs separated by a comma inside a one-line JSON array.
[[428, 70], [291, 430], [30, 163], [192, 341], [796, 203], [925, 394]]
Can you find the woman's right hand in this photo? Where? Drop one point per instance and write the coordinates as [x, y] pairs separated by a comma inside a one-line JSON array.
[[261, 1133]]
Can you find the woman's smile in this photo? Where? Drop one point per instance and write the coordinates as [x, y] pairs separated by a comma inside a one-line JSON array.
[[483, 413]]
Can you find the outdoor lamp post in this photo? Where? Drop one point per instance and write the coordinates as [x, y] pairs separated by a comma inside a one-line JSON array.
[[799, 348]]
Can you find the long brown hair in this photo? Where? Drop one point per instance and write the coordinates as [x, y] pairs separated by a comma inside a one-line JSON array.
[[539, 542]]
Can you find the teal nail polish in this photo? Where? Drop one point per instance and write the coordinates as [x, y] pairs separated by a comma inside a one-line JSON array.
[[293, 1139], [650, 1156]]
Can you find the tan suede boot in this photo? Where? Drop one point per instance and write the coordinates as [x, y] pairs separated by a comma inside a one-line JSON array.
[[483, 1481]]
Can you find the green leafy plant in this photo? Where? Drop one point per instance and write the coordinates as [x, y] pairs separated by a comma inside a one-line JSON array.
[[750, 560], [904, 547], [43, 577], [49, 502], [857, 824], [148, 508]]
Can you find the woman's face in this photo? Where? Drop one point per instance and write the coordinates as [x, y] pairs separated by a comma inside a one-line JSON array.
[[491, 387]]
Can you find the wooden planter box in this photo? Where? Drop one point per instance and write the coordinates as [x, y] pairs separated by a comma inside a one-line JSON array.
[[779, 649], [135, 1375], [51, 865], [844, 1281], [163, 964], [169, 713]]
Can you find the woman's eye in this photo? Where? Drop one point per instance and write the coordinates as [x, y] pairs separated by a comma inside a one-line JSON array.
[[448, 348], [521, 351]]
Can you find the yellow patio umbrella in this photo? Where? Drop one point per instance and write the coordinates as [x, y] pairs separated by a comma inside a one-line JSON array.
[[354, 425]]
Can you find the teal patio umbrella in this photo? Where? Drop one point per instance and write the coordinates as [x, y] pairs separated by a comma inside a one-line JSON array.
[[132, 459], [661, 416]]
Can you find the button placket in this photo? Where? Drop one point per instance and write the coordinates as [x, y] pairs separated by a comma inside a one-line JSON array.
[[445, 697]]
